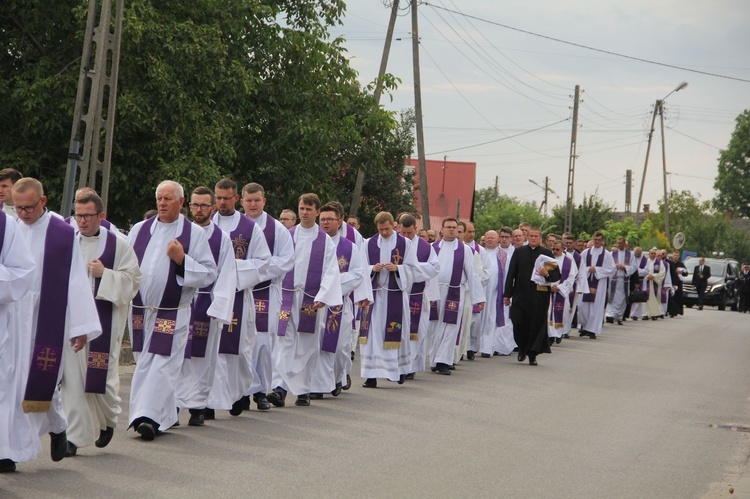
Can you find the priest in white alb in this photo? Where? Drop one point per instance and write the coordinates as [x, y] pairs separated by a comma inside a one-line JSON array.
[[656, 273], [560, 308], [597, 266]]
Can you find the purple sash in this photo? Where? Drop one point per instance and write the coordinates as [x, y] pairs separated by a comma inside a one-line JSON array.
[[229, 343], [307, 313], [98, 358], [3, 220], [638, 280], [626, 281], [576, 258], [453, 297], [333, 316], [262, 290], [558, 300], [416, 295], [593, 281], [50, 326], [502, 261], [664, 289], [166, 316], [657, 263], [394, 306], [434, 314], [474, 249], [199, 320], [349, 233]]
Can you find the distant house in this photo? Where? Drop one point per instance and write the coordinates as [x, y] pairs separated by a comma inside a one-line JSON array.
[[450, 189]]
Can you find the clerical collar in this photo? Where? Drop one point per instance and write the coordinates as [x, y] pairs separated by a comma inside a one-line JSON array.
[[95, 235]]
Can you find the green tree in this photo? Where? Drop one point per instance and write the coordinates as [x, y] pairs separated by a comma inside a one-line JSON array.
[[493, 211], [591, 215], [733, 178], [627, 229]]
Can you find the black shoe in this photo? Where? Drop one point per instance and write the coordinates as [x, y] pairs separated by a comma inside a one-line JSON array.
[[495, 354], [348, 383], [58, 446], [558, 341], [452, 367], [551, 341], [209, 414], [444, 369], [196, 417], [619, 323], [352, 355], [470, 355], [521, 356], [370, 383], [261, 401], [566, 336], [515, 349], [434, 369], [411, 375], [485, 355], [303, 400], [337, 391], [609, 320], [401, 379], [146, 431], [277, 398], [634, 318], [72, 449], [104, 437], [236, 409], [532, 360], [314, 396], [7, 466], [592, 336], [245, 403]]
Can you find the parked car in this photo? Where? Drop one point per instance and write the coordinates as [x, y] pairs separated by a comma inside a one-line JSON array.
[[722, 289]]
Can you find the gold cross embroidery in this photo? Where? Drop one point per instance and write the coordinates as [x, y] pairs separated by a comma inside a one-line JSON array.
[[165, 326], [137, 321], [200, 329], [46, 359], [397, 258], [284, 315], [415, 308], [240, 247], [308, 309], [98, 360], [260, 306], [452, 306], [232, 323]]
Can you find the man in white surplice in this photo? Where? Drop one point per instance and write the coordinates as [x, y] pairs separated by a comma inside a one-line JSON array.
[[597, 266], [198, 372], [505, 342], [444, 331], [18, 441], [81, 322], [153, 406], [656, 273], [495, 263], [619, 285], [471, 343], [637, 308], [92, 414], [561, 291], [297, 350]]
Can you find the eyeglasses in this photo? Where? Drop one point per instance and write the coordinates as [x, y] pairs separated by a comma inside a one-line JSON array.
[[327, 220], [286, 219], [196, 206], [85, 216], [26, 209]]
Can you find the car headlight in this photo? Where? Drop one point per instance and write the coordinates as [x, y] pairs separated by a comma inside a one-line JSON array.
[[716, 287]]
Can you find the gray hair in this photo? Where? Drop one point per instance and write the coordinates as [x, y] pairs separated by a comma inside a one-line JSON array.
[[178, 190]]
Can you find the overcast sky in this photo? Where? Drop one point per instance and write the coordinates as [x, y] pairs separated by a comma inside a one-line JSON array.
[[482, 82]]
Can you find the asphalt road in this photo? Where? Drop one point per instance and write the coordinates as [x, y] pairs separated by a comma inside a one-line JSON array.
[[653, 409]]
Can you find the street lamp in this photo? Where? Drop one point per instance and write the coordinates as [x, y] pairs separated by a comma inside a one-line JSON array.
[[658, 108]]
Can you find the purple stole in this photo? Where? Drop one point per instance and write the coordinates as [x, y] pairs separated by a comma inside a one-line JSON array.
[[98, 358], [166, 315], [416, 295], [262, 290], [593, 281], [657, 263], [229, 343], [626, 281], [558, 300], [642, 265], [474, 249], [199, 320], [307, 313], [50, 326], [349, 233], [502, 261], [576, 258], [333, 316], [664, 289], [453, 297], [395, 305], [3, 221]]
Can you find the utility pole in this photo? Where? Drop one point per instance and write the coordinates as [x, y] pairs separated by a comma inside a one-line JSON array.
[[547, 190], [664, 172], [418, 111], [628, 190], [497, 192], [645, 165], [359, 183], [97, 124], [572, 164]]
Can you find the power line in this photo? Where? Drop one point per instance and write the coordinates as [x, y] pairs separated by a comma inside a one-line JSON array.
[[693, 138], [579, 45]]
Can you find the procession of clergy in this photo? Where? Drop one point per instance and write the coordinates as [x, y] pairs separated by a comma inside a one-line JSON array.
[[236, 308]]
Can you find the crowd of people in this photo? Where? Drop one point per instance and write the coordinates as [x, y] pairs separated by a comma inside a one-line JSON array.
[[226, 309]]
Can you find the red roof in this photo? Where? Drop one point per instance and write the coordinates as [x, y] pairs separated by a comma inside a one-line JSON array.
[[447, 183]]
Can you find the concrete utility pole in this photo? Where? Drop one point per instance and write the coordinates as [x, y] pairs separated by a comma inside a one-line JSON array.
[[425, 205], [546, 190], [378, 91], [664, 173], [628, 190], [570, 201], [97, 93], [645, 165]]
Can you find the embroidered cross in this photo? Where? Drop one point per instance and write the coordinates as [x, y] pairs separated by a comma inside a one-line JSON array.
[[46, 359]]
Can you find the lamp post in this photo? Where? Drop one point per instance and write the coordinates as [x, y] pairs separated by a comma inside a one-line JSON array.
[[658, 108]]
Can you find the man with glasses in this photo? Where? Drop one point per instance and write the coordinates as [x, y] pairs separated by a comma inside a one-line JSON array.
[[288, 218], [84, 191], [597, 266], [561, 309], [59, 311], [211, 309], [90, 385], [176, 261]]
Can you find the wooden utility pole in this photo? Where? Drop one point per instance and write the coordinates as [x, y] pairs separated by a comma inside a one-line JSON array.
[[645, 165], [378, 91], [570, 198], [418, 111], [96, 125]]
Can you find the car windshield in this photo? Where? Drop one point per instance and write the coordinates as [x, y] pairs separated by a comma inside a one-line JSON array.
[[718, 267]]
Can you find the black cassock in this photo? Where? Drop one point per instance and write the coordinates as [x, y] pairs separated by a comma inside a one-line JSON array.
[[530, 306]]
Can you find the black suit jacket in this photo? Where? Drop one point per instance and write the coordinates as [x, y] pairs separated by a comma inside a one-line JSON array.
[[701, 282]]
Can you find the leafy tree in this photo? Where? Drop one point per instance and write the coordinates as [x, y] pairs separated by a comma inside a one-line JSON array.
[[591, 215], [627, 229], [733, 178], [493, 211]]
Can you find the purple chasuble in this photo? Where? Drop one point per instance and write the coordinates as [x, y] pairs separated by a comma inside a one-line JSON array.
[[199, 319], [307, 313], [50, 326], [334, 315], [558, 300], [475, 249], [416, 295], [593, 281], [394, 303], [3, 221], [453, 297], [626, 281], [657, 264], [166, 315], [502, 261], [229, 343], [262, 290], [642, 265], [664, 289], [98, 359]]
